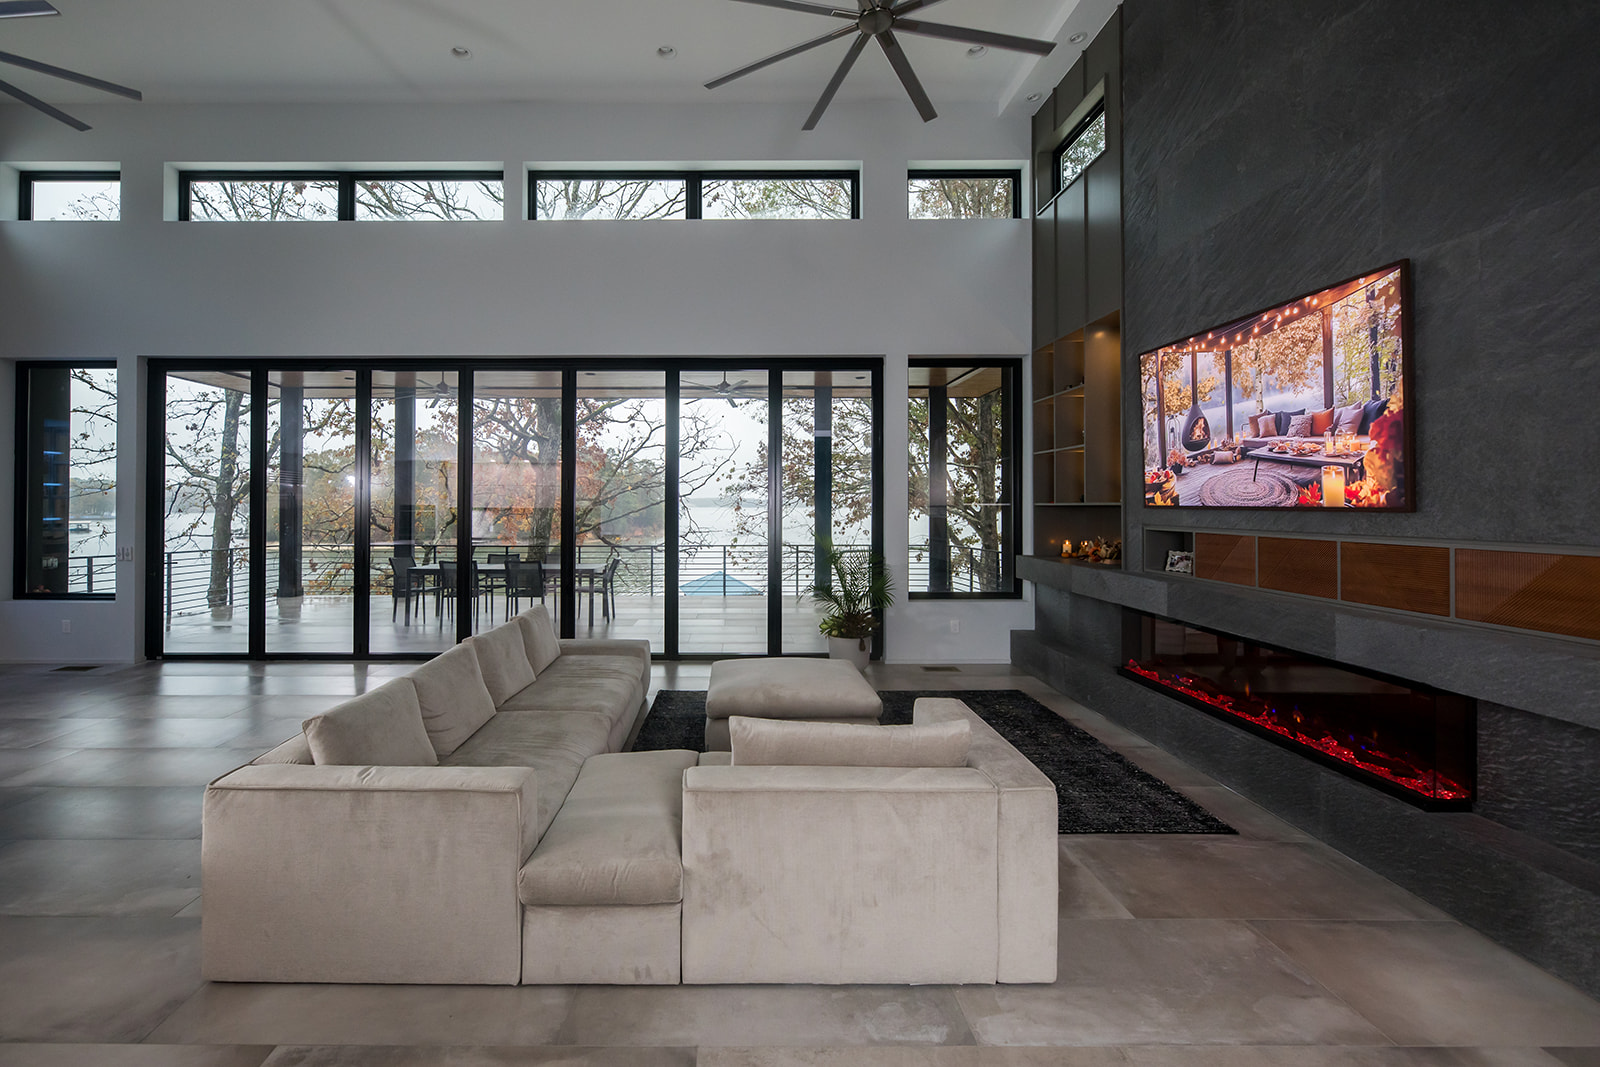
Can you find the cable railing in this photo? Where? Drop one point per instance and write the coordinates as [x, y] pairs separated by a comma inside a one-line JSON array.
[[730, 569]]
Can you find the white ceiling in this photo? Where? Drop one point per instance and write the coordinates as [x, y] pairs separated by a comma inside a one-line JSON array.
[[232, 51]]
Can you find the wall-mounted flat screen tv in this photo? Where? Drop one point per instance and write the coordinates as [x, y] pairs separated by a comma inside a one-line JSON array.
[[1302, 405]]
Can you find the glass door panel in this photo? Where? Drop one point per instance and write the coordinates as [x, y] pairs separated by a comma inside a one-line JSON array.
[[205, 557], [414, 484], [311, 511], [620, 516], [516, 490], [722, 508], [827, 488]]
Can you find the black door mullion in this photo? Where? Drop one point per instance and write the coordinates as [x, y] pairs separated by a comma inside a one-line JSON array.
[[569, 490], [362, 585], [876, 533], [775, 511], [464, 601], [260, 464], [671, 529]]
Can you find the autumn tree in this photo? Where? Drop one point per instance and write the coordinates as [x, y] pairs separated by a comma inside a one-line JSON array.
[[961, 198], [1290, 356]]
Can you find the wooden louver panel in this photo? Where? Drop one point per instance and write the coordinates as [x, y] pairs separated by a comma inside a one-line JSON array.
[[1530, 590], [1299, 565], [1406, 577], [1225, 558]]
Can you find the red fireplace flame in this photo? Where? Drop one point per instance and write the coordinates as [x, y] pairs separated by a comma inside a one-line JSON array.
[[1361, 753]]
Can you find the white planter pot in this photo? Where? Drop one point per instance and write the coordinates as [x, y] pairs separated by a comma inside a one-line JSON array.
[[855, 650]]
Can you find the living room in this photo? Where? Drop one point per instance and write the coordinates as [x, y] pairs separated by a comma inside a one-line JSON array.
[[1253, 173]]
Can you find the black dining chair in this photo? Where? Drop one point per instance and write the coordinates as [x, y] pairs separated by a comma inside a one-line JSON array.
[[404, 583], [602, 582], [522, 580]]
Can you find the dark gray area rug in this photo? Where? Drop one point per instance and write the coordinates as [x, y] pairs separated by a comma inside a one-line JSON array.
[[1098, 791]]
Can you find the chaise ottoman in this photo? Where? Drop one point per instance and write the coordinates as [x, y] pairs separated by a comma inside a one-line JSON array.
[[813, 690]]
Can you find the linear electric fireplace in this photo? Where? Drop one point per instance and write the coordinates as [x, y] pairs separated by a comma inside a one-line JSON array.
[[1410, 740]]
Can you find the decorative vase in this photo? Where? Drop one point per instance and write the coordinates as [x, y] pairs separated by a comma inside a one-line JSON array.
[[855, 649]]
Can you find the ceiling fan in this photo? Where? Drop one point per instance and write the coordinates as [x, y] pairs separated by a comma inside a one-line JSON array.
[[14, 9], [880, 20], [729, 390]]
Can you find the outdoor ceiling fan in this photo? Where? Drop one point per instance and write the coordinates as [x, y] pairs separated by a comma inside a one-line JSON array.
[[880, 20], [13, 9], [724, 389]]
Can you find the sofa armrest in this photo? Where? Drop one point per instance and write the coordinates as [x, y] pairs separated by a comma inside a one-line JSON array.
[[839, 874], [365, 874]]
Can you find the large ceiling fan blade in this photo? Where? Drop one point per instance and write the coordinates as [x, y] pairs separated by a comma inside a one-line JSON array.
[[905, 7], [983, 37], [809, 9], [17, 9], [843, 31], [34, 102], [834, 82], [908, 77], [71, 76]]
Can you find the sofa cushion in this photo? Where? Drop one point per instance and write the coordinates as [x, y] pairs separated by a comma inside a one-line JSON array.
[[1263, 425], [382, 728], [618, 837], [454, 699], [539, 637], [1322, 421], [554, 745], [1348, 420], [1371, 410], [503, 659], [610, 685], [780, 743], [1301, 426]]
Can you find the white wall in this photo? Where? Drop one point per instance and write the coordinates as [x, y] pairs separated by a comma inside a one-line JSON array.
[[147, 286]]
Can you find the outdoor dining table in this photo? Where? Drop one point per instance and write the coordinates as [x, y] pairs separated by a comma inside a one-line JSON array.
[[497, 571]]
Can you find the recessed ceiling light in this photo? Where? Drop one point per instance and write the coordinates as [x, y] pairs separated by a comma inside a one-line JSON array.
[[975, 51], [666, 51], [461, 52], [1078, 38], [1034, 98]]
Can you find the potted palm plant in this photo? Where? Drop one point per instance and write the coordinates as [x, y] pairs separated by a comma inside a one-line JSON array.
[[858, 588]]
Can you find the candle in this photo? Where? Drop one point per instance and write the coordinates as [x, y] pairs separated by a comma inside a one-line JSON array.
[[1332, 486], [1327, 440]]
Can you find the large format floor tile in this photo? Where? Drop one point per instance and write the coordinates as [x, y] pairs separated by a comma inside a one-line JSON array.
[[98, 877], [1184, 981], [94, 812], [249, 1014], [555, 1056], [764, 1015], [78, 1055], [135, 766], [1439, 984], [94, 980], [1172, 876]]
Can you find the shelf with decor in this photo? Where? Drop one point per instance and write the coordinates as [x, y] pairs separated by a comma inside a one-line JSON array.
[[1077, 453]]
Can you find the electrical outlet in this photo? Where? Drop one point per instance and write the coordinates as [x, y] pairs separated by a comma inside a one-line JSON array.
[[125, 554], [955, 626], [66, 626]]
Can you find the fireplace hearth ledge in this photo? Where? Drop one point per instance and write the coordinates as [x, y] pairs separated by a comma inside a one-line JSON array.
[[1548, 676]]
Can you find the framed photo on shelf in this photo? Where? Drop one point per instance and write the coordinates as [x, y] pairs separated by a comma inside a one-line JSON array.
[[1180, 562]]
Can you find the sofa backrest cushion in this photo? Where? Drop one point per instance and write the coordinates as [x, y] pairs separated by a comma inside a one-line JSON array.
[[382, 728], [781, 742], [1348, 420], [539, 635], [454, 699], [503, 659]]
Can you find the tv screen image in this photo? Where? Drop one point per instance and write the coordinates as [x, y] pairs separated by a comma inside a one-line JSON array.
[[1298, 406]]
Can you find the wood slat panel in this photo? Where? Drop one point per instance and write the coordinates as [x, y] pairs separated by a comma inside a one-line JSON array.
[[1299, 565], [1407, 577], [1225, 558], [1530, 590]]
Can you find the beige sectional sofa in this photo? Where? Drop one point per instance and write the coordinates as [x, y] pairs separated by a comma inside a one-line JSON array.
[[503, 839]]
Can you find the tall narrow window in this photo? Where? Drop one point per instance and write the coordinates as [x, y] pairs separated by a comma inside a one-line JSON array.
[[975, 194], [963, 464], [71, 196], [67, 480], [1081, 148]]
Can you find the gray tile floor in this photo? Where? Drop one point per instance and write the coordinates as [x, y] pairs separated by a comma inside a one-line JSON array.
[[1263, 949]]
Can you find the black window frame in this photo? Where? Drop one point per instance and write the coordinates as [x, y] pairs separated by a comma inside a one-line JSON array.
[[1011, 473], [1077, 131], [28, 178], [21, 486], [345, 179], [1014, 174], [693, 181]]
